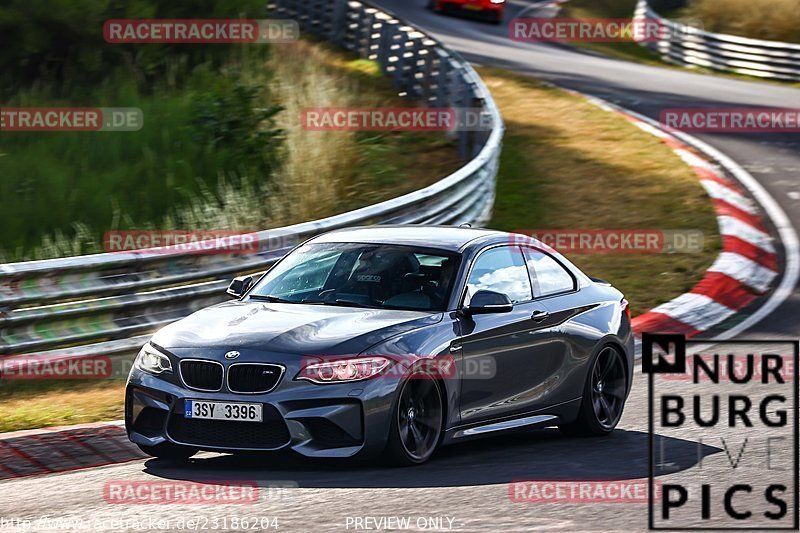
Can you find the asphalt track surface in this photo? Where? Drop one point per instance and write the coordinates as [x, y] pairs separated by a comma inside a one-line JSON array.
[[467, 486]]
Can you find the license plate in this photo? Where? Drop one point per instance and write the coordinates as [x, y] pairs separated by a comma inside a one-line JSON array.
[[473, 7], [234, 412]]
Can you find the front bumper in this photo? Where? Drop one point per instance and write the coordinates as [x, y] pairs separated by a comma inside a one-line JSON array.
[[331, 420]]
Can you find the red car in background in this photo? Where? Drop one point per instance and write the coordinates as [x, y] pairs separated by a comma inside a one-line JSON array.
[[492, 10]]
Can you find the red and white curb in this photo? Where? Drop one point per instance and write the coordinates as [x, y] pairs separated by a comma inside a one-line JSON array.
[[64, 449], [747, 267], [743, 271]]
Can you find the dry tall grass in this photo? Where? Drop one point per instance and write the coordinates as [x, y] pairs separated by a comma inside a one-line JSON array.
[[301, 76], [774, 20], [318, 165]]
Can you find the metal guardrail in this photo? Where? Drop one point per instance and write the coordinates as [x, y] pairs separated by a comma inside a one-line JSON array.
[[108, 304], [753, 57]]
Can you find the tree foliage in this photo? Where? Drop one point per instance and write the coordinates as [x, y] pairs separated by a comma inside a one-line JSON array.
[[60, 42]]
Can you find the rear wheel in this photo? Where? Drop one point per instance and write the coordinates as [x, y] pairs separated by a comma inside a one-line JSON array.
[[167, 450], [416, 425], [603, 396]]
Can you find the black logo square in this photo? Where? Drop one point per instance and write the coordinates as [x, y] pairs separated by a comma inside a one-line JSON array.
[[663, 365]]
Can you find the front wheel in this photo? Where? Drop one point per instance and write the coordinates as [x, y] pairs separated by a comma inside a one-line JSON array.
[[167, 450], [603, 396], [416, 425]]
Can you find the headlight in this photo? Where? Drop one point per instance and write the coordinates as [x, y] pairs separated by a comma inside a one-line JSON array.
[[152, 361], [344, 370]]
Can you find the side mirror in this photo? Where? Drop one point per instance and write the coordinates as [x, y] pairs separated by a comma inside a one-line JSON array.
[[239, 286], [488, 302]]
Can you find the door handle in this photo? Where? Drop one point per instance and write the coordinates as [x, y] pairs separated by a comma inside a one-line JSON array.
[[540, 316]]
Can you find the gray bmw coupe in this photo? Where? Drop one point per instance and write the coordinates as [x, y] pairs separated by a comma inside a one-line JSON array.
[[388, 338]]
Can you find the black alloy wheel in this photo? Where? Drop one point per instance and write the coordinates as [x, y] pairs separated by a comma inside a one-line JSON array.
[[417, 420]]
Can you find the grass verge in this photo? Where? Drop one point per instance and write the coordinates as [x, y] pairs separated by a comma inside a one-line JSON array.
[[776, 20], [566, 164], [612, 9], [36, 404]]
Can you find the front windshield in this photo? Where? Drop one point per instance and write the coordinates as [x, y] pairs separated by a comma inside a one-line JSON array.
[[362, 275]]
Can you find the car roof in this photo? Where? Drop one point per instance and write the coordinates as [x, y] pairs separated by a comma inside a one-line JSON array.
[[449, 238]]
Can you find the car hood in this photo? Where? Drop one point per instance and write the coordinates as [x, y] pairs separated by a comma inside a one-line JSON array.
[[290, 328]]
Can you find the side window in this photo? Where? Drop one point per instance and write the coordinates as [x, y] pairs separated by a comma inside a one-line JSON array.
[[547, 274], [501, 270]]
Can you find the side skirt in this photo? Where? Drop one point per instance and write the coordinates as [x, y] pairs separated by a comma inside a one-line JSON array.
[[551, 416]]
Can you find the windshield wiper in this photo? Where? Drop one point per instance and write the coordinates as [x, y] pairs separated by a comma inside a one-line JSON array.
[[272, 299], [341, 303], [350, 303]]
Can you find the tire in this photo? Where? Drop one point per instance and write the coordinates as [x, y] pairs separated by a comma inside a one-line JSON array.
[[167, 450], [604, 395], [417, 420]]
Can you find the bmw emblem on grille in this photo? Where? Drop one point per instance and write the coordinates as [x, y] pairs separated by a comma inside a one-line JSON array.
[[232, 355]]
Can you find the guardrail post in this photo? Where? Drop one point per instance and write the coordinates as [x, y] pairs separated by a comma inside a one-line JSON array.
[[400, 64], [415, 89], [339, 22], [373, 28], [427, 80], [359, 33], [387, 33], [462, 101], [319, 9], [443, 80]]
